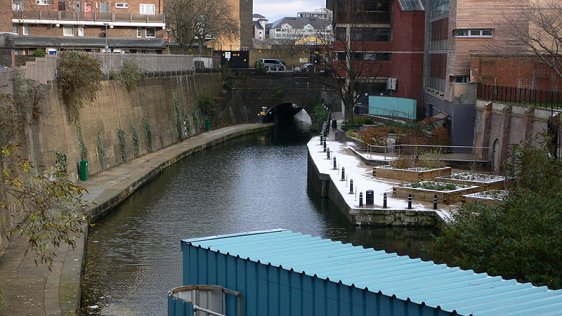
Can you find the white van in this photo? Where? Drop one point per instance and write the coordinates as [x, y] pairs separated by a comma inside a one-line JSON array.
[[271, 64]]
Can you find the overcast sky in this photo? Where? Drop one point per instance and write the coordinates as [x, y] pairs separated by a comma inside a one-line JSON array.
[[274, 10]]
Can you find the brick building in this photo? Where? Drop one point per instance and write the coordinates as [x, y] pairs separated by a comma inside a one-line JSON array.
[[456, 30], [387, 38], [525, 72], [135, 26]]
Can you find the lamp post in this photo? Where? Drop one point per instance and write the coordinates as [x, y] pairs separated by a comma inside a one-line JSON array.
[[106, 46]]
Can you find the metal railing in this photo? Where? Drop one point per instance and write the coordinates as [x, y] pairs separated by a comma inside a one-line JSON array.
[[521, 96], [52, 15], [430, 152]]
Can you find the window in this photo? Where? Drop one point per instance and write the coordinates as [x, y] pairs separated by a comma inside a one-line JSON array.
[[473, 33], [17, 5], [340, 33], [139, 32], [377, 56], [150, 32], [370, 34], [460, 79], [42, 2], [148, 9], [104, 7], [68, 30], [438, 8], [377, 5], [121, 5], [80, 31], [411, 5], [15, 28], [25, 29]]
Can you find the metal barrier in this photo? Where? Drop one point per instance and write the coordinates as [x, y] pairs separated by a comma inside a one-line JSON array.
[[439, 152]]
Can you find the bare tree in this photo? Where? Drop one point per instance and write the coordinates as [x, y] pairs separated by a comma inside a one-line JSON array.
[[537, 29], [198, 21], [352, 59]]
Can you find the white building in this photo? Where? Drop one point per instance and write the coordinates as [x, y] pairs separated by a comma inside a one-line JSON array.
[[260, 23], [296, 28]]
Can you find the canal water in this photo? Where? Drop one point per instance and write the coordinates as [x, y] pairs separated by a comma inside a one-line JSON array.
[[257, 182]]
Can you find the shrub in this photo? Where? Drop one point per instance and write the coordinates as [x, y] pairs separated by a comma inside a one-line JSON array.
[[38, 53], [207, 107], [404, 162], [440, 136], [430, 160], [79, 79], [130, 75], [374, 135]]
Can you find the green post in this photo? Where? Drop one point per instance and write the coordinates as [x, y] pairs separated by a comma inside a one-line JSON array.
[[207, 125], [83, 170]]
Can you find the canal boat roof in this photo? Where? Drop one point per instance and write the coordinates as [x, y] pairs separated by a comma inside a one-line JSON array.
[[422, 282]]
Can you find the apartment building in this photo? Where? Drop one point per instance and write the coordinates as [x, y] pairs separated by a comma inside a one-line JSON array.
[[455, 31], [297, 28], [132, 26], [387, 38]]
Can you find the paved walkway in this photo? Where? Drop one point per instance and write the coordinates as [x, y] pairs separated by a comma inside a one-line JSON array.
[[362, 175], [34, 290]]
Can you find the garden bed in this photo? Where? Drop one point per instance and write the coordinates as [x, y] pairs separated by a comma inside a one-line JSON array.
[[489, 197], [447, 193], [411, 174], [485, 181]]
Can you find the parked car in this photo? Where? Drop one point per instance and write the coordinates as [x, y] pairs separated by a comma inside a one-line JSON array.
[[308, 67], [271, 64]]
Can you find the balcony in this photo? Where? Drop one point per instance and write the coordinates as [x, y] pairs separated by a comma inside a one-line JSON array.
[[368, 17], [49, 16]]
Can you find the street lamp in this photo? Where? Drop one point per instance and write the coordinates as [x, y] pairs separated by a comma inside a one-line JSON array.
[[106, 46]]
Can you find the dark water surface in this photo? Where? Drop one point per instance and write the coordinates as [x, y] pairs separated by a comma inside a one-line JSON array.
[[256, 182]]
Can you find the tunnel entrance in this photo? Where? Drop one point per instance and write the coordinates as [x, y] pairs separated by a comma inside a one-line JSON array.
[[287, 114]]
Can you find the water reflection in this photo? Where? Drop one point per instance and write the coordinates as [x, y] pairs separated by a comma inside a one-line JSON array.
[[253, 183]]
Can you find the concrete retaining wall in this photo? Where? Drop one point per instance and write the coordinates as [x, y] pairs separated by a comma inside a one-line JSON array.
[[151, 107], [151, 104]]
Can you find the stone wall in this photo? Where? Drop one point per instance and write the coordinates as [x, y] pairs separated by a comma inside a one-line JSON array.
[[149, 108], [498, 126], [151, 104]]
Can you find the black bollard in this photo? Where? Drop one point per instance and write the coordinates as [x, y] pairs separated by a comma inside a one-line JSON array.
[[342, 174], [435, 201], [369, 197], [321, 139], [328, 153], [409, 201], [384, 205], [324, 145], [360, 198], [351, 186], [335, 164]]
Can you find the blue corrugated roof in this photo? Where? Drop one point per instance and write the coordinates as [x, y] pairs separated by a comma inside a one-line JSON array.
[[452, 289]]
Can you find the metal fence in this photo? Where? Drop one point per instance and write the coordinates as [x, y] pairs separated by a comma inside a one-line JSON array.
[[429, 152], [522, 96]]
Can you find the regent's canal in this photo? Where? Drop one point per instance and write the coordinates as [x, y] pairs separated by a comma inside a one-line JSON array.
[[256, 182]]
